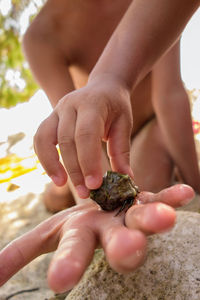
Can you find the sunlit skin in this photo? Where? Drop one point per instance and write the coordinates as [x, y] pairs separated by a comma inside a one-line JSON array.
[[110, 106], [123, 238]]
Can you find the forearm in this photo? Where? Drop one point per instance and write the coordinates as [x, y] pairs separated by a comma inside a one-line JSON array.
[[172, 108], [146, 31], [174, 117]]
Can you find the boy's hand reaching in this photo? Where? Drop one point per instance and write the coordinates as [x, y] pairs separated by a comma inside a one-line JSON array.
[[80, 121], [76, 232]]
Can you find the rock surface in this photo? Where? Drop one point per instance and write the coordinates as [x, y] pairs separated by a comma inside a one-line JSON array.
[[171, 271], [193, 206]]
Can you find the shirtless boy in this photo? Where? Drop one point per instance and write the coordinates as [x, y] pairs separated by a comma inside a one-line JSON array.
[[68, 46]]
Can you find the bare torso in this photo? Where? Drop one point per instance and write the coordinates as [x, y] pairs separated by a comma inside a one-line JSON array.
[[83, 27]]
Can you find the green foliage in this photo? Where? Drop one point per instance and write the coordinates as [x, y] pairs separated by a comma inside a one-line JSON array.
[[16, 82]]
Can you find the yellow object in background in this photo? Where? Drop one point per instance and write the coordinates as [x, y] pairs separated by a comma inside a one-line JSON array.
[[13, 166], [12, 187]]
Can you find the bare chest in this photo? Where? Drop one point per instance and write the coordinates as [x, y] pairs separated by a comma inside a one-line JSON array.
[[86, 28]]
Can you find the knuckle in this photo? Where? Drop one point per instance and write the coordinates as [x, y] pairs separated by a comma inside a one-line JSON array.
[[84, 133], [74, 173], [82, 217], [63, 104], [19, 256], [125, 154], [65, 140], [87, 164], [40, 135]]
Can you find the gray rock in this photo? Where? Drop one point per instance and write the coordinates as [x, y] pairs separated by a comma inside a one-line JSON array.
[[171, 271], [194, 205]]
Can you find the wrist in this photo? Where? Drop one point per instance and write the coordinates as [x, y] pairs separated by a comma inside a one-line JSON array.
[[109, 79]]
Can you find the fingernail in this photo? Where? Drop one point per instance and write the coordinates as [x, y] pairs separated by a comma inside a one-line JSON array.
[[91, 182], [82, 191], [57, 180], [163, 208], [128, 171], [186, 201], [189, 196], [132, 259], [131, 174]]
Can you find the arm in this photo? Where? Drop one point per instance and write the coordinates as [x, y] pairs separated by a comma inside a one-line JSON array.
[[172, 108], [146, 31], [47, 60]]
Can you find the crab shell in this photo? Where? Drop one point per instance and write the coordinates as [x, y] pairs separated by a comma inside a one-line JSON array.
[[117, 190]]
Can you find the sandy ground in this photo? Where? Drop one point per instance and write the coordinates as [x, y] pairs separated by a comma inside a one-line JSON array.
[[21, 206]]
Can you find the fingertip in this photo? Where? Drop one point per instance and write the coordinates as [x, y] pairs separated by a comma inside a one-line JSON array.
[[176, 195], [186, 192], [125, 169], [126, 250], [128, 170], [121, 164], [130, 173], [93, 182], [166, 217], [59, 175], [63, 275], [59, 180], [82, 191], [151, 218]]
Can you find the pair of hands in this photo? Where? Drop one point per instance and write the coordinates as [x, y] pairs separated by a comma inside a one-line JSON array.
[[75, 233], [94, 113]]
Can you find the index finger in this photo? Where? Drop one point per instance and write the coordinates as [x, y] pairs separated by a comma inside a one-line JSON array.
[[45, 141], [42, 239]]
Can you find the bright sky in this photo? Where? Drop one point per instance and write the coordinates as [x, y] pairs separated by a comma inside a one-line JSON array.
[[190, 53]]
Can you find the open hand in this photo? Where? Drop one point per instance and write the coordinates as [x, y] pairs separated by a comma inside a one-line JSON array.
[[75, 233]]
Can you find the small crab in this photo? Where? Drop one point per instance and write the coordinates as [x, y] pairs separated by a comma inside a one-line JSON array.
[[117, 190]]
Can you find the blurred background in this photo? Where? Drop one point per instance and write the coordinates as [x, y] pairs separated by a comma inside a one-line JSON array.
[[22, 108], [23, 105]]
